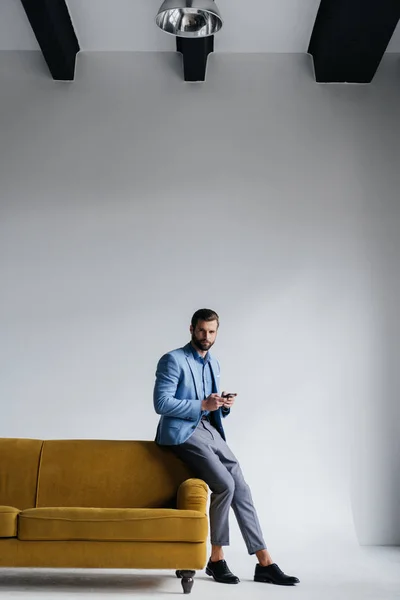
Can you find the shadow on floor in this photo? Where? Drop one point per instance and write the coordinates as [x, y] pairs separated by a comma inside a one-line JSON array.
[[67, 581]]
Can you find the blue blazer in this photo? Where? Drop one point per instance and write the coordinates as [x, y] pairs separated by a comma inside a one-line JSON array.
[[177, 396]]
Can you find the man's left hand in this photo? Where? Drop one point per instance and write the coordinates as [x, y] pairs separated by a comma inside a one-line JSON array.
[[228, 400]]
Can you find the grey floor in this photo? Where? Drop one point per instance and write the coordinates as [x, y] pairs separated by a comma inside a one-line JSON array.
[[326, 573]]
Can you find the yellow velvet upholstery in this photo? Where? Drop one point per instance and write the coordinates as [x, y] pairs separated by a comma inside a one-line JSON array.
[[192, 495], [102, 555], [112, 524], [8, 521], [108, 474], [99, 503], [19, 461]]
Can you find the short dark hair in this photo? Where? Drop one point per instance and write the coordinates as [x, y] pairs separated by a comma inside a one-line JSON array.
[[204, 314]]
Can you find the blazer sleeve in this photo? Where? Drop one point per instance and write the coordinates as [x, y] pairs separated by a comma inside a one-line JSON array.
[[225, 410], [165, 402]]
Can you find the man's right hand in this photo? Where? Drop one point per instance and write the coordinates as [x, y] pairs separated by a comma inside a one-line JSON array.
[[212, 402]]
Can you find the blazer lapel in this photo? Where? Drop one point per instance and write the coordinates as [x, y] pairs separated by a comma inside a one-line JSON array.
[[194, 370], [214, 371]]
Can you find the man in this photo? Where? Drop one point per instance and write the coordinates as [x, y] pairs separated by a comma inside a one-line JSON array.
[[186, 395]]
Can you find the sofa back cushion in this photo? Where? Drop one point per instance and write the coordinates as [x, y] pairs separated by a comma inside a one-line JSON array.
[[108, 474], [19, 463]]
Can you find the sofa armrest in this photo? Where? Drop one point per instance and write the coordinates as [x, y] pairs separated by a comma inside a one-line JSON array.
[[192, 495]]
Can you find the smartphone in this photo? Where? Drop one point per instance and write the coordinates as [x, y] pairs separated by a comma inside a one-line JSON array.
[[230, 395]]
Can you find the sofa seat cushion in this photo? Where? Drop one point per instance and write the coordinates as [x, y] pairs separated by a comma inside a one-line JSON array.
[[112, 524], [8, 521]]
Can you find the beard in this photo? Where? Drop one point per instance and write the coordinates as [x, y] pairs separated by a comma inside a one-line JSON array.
[[201, 345]]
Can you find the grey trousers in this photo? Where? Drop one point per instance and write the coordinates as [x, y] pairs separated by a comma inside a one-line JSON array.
[[210, 458]]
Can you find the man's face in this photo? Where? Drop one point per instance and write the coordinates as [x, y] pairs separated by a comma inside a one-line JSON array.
[[204, 334]]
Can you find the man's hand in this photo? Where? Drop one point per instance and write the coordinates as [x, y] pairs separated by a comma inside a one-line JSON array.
[[212, 402], [228, 400]]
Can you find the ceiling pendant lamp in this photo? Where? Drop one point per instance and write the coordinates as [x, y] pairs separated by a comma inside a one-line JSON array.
[[189, 18]]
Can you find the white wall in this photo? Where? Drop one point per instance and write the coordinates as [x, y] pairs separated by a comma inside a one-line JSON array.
[[129, 199]]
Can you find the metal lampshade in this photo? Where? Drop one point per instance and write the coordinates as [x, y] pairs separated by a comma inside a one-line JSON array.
[[189, 18]]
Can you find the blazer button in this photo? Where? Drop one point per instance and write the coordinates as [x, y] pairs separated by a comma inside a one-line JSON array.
[[193, 426]]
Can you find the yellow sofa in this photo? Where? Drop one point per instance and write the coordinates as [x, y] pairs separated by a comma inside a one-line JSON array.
[[100, 503]]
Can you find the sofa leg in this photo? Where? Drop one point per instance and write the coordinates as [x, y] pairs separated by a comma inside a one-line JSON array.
[[187, 580]]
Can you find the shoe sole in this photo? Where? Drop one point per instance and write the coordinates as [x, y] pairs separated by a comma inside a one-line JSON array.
[[211, 574], [268, 580]]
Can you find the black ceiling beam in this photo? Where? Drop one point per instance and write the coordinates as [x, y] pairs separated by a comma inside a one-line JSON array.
[[195, 52], [55, 33], [350, 37]]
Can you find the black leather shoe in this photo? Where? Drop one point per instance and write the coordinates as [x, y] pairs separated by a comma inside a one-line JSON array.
[[220, 571], [273, 574]]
